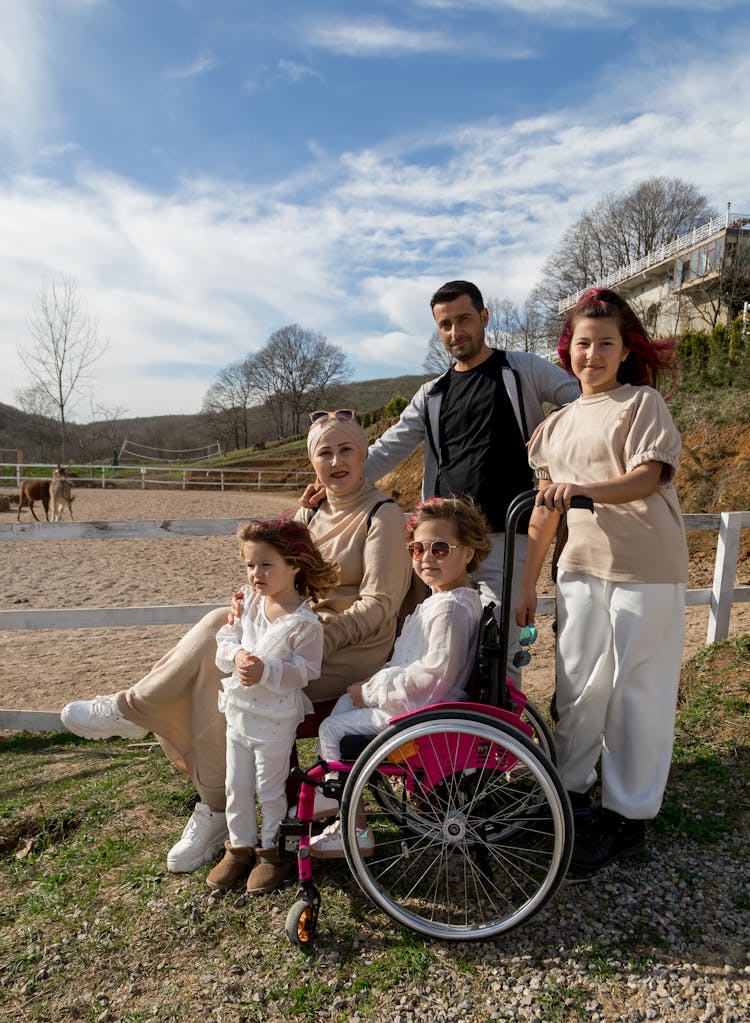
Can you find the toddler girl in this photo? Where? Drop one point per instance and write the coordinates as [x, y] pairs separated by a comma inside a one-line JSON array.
[[433, 656], [281, 640], [621, 576]]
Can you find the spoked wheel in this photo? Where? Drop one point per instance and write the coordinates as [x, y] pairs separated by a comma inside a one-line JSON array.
[[477, 833], [302, 922], [542, 731]]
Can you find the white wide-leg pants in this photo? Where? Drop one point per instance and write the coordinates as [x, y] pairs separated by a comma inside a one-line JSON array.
[[619, 655], [255, 767]]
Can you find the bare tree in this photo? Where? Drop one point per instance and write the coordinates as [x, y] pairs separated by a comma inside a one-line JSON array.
[[64, 345], [621, 228], [503, 323], [293, 374], [228, 400], [437, 360]]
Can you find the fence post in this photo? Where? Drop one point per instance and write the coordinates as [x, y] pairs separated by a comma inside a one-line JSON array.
[[725, 570], [183, 479], [143, 477], [104, 477]]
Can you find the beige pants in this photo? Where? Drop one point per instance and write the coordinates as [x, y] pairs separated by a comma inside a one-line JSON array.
[[178, 701]]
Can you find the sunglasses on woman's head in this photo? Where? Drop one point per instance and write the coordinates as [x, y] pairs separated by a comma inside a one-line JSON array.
[[439, 549], [343, 415]]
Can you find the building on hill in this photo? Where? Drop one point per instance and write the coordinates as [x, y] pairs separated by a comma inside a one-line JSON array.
[[695, 282]]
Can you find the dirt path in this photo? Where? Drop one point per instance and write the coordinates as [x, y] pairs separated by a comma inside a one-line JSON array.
[[43, 670]]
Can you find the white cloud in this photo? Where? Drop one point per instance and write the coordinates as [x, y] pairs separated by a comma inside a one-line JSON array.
[[184, 283], [370, 37], [202, 64], [25, 96], [293, 71]]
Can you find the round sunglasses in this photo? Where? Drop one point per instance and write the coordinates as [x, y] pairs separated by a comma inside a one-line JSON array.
[[439, 549], [526, 637]]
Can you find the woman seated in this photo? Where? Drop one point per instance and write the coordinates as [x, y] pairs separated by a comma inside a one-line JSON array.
[[357, 527]]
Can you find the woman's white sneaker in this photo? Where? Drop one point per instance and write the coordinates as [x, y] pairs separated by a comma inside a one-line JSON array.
[[99, 719], [202, 839]]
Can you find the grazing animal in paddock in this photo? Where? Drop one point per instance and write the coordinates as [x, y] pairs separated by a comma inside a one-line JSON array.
[[60, 494], [33, 490]]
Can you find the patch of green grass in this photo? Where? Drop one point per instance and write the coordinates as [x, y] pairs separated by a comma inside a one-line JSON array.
[[562, 1004], [90, 910]]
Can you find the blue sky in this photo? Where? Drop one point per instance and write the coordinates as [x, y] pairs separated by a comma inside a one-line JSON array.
[[208, 171]]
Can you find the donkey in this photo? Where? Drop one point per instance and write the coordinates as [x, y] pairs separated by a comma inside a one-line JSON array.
[[61, 493]]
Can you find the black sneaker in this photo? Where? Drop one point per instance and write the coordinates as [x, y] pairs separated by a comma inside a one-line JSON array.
[[611, 837]]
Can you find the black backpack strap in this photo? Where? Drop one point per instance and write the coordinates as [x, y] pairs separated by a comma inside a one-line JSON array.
[[386, 500]]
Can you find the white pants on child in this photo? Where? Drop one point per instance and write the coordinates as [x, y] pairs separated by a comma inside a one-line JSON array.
[[619, 655], [261, 767], [346, 719]]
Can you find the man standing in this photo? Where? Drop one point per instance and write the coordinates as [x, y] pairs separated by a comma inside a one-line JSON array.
[[475, 421]]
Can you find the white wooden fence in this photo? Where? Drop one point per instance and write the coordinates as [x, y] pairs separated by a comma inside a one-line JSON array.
[[719, 597], [141, 477]]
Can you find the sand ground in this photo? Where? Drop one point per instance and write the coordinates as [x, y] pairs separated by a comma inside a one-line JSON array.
[[42, 670]]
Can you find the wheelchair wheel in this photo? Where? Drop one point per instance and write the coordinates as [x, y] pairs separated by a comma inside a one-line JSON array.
[[542, 731], [301, 923], [476, 833]]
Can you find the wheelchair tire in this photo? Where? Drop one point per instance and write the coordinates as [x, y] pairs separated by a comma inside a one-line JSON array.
[[483, 833], [301, 923], [542, 731]]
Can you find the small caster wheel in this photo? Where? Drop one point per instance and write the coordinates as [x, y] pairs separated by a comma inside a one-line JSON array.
[[301, 923]]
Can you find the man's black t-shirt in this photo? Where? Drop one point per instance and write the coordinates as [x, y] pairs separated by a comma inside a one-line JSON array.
[[482, 451]]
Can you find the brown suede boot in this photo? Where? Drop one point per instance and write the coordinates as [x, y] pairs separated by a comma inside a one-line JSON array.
[[232, 868], [269, 871]]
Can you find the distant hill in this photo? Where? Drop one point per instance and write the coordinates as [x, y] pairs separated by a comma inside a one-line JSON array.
[[38, 436]]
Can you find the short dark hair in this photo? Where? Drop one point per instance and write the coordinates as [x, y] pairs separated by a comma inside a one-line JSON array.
[[454, 289]]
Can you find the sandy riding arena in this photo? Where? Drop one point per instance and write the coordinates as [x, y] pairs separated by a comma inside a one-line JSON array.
[[42, 670]]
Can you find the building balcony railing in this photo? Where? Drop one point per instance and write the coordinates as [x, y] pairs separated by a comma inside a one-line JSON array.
[[659, 255]]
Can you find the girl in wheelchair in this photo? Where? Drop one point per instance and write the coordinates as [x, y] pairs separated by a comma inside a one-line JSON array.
[[433, 656]]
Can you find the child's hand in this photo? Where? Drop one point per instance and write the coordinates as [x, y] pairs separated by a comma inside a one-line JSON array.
[[235, 612], [355, 694], [249, 668]]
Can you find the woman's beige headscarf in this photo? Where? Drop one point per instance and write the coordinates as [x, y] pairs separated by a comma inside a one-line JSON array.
[[353, 431]]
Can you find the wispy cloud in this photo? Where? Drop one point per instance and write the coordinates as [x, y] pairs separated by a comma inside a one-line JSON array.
[[295, 72], [26, 99], [563, 9], [203, 64], [370, 37], [354, 246]]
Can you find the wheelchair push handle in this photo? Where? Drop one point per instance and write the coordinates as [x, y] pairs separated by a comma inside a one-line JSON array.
[[519, 505]]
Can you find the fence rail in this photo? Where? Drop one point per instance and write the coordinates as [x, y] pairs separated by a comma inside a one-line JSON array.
[[262, 477], [719, 597], [658, 255]]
